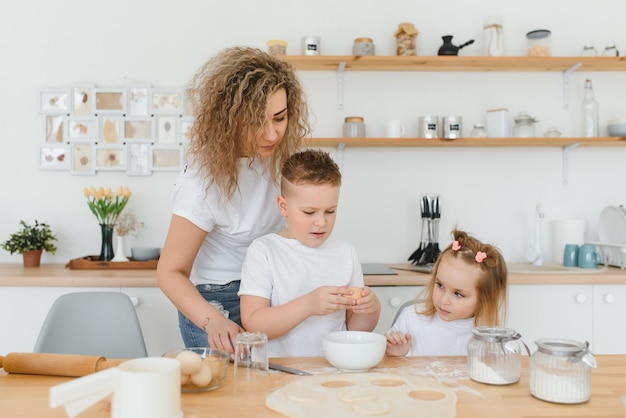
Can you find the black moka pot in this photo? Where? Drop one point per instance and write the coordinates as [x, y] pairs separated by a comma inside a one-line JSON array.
[[449, 49]]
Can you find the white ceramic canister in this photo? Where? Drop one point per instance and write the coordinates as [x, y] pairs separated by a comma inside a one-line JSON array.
[[311, 45], [493, 356], [429, 127], [560, 371], [452, 127], [498, 123], [354, 127]]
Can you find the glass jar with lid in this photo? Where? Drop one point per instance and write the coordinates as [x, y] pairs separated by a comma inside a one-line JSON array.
[[493, 356], [560, 371], [524, 125], [478, 131], [589, 51]]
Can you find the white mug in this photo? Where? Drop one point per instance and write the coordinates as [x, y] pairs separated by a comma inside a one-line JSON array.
[[395, 129], [142, 388]]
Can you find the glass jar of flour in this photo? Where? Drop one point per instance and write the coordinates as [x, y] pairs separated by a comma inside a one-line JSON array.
[[493, 356], [560, 371]]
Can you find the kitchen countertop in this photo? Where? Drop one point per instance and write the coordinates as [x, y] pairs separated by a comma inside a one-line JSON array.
[[25, 396], [57, 275]]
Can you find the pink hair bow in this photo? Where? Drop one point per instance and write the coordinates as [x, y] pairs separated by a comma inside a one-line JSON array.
[[480, 256], [456, 246]]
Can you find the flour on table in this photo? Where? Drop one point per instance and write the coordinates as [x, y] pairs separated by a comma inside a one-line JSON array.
[[363, 395]]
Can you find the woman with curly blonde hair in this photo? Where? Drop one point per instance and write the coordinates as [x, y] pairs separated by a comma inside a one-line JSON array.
[[467, 289], [250, 115]]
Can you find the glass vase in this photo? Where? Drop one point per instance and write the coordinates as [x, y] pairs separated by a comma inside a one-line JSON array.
[[106, 251]]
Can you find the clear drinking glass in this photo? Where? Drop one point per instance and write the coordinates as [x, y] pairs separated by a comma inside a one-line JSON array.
[[251, 355]]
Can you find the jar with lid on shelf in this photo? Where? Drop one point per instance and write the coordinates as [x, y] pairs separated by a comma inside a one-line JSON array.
[[478, 131], [524, 125], [589, 51], [539, 43], [493, 356], [610, 51], [560, 371], [363, 46]]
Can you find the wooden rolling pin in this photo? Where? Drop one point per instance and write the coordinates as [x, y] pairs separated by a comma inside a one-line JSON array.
[[72, 365]]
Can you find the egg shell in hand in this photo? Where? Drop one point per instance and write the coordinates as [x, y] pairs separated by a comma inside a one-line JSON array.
[[356, 294], [190, 362]]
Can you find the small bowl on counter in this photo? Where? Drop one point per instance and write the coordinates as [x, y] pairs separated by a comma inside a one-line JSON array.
[[354, 351], [145, 253], [201, 368], [616, 127]]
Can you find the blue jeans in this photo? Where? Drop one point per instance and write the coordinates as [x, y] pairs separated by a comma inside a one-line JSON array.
[[224, 295]]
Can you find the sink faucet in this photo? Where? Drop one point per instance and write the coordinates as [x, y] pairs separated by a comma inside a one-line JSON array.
[[533, 254]]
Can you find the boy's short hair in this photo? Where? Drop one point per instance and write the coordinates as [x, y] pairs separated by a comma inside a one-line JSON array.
[[310, 167]]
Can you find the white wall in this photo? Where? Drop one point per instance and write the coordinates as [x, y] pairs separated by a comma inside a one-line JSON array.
[[491, 192]]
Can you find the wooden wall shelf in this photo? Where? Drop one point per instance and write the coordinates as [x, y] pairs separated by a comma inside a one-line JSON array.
[[456, 63], [468, 142]]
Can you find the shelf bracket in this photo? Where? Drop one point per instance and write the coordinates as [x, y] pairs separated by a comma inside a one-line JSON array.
[[566, 150], [339, 160], [566, 74], [340, 74]]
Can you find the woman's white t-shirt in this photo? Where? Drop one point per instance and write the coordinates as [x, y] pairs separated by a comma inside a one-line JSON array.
[[231, 225]]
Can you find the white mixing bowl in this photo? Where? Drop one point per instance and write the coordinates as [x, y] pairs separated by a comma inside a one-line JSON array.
[[354, 351]]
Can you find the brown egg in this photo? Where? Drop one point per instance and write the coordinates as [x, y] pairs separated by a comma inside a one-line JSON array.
[[356, 294], [202, 377], [190, 362], [214, 364], [184, 378]]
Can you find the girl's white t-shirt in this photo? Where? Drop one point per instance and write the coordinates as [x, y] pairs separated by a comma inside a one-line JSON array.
[[231, 225], [432, 336], [282, 269]]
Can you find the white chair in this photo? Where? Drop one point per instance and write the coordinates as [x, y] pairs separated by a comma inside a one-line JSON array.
[[401, 307], [92, 323]]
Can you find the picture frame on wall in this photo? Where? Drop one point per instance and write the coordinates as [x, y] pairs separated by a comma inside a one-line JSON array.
[[166, 101], [186, 123], [83, 158], [110, 101], [167, 158], [54, 101], [110, 158], [110, 129], [139, 158], [82, 128], [83, 99], [53, 128], [190, 103], [167, 129], [138, 101], [138, 128], [54, 157]]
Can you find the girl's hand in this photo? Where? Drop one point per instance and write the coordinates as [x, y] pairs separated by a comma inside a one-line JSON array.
[[222, 333], [367, 302], [398, 344]]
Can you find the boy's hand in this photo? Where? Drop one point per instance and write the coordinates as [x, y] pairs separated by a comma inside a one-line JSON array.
[[366, 301], [398, 344], [328, 299]]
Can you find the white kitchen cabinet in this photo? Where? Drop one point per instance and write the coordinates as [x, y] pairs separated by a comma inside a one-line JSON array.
[[158, 318], [23, 310], [609, 324], [391, 297], [552, 311]]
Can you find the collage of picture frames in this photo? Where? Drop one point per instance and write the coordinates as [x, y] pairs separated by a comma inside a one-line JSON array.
[[135, 129]]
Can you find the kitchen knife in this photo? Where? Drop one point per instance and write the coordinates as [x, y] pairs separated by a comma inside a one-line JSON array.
[[286, 369]]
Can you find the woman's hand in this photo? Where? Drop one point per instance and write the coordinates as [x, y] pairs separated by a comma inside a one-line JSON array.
[[222, 333], [398, 344]]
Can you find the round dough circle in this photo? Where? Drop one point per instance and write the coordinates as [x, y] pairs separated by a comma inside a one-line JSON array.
[[356, 395], [387, 382], [427, 395], [303, 395], [375, 407], [334, 384]]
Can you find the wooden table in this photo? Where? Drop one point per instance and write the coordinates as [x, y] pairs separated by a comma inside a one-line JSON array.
[[27, 396]]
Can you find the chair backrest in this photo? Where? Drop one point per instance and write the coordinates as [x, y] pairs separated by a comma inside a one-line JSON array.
[[404, 305], [92, 323]]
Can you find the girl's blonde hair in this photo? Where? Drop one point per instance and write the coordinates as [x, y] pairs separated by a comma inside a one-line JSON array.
[[230, 95], [491, 285]]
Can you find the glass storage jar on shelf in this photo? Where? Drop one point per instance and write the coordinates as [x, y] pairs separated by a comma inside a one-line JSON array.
[[493, 356], [524, 126], [560, 371]]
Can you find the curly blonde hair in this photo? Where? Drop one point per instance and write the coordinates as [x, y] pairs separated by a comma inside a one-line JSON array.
[[230, 95], [491, 285]]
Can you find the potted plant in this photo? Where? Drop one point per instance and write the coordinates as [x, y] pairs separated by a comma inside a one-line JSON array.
[[31, 241]]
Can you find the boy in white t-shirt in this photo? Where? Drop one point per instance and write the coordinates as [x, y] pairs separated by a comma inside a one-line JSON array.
[[297, 285]]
